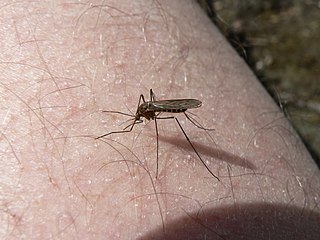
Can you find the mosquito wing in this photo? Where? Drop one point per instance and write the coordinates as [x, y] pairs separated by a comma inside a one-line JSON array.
[[174, 104]]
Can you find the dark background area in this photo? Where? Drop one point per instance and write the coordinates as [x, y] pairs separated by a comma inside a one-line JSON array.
[[280, 41]]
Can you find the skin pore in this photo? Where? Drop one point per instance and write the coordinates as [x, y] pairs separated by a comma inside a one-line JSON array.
[[62, 63]]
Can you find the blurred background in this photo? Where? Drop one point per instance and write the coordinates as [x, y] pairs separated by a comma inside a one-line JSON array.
[[280, 41]]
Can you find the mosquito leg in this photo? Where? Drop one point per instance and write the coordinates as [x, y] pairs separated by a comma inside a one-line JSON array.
[[137, 116], [143, 100], [152, 96], [194, 149], [122, 131], [157, 133], [196, 123], [184, 133]]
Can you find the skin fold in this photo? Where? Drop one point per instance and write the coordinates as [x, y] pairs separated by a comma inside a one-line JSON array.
[[64, 63]]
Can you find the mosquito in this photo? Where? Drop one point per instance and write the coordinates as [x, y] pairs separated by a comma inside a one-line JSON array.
[[151, 110]]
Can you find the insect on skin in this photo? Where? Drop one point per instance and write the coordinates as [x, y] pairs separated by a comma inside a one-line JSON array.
[[151, 110]]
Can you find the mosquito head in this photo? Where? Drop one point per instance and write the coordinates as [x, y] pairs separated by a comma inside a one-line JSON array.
[[138, 116], [139, 112], [144, 111]]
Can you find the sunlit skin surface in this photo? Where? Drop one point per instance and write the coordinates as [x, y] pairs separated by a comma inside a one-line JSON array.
[[63, 63]]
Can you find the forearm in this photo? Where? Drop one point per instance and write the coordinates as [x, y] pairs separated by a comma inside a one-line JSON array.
[[63, 63]]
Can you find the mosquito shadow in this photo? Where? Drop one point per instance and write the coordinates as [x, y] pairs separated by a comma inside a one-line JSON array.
[[210, 152], [244, 221]]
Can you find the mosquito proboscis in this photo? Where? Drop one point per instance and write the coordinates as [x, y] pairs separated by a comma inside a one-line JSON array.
[[151, 110]]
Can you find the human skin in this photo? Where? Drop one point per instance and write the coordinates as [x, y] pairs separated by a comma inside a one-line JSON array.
[[62, 63]]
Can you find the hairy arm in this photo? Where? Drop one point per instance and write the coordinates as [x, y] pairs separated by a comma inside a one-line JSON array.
[[62, 63]]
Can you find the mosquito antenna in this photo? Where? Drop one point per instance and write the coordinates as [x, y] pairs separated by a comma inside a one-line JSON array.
[[117, 112], [134, 122], [131, 119]]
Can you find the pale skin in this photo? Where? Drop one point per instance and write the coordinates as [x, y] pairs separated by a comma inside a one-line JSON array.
[[62, 63]]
